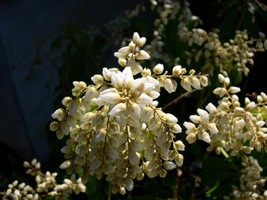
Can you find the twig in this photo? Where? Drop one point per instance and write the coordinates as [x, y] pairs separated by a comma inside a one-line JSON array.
[[174, 101]]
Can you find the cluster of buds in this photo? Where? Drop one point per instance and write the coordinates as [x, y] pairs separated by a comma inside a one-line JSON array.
[[114, 125], [166, 11], [46, 185], [251, 184], [236, 54], [229, 127]]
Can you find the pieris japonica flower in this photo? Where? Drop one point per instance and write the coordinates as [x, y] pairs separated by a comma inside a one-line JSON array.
[[114, 126], [46, 185], [251, 183], [230, 127]]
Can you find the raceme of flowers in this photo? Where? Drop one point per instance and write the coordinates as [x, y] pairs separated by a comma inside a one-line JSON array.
[[46, 185], [114, 126], [235, 54], [229, 127], [252, 185]]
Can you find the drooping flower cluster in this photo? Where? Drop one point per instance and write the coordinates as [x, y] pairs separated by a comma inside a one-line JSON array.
[[46, 185], [236, 54], [251, 185], [229, 126], [114, 125]]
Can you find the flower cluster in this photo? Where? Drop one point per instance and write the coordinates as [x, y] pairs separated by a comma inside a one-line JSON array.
[[114, 125], [236, 54], [229, 126], [251, 185], [167, 11], [46, 185]]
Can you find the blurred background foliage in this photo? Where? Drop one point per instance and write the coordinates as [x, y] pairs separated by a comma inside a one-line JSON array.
[[85, 52]]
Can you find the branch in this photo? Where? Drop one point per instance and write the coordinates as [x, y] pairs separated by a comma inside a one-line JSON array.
[[174, 101]]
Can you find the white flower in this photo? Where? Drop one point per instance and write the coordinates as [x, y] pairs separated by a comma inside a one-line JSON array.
[[234, 90], [211, 108], [97, 79], [170, 85], [59, 114], [189, 126], [204, 115], [186, 84], [212, 128], [169, 165], [138, 41], [179, 145], [144, 99], [205, 137], [195, 118], [176, 128], [204, 81], [195, 82], [158, 69], [110, 95], [142, 55], [117, 109], [177, 70], [220, 91]]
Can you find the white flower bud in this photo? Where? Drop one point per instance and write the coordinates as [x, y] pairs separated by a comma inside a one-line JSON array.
[[171, 119], [179, 145], [141, 42], [113, 153], [124, 50], [251, 105], [204, 115], [220, 91], [189, 126], [213, 128], [136, 38], [147, 113], [226, 81], [260, 123], [66, 101], [176, 128], [142, 55], [234, 90], [59, 114], [129, 184], [240, 124], [134, 157], [195, 82], [66, 164], [177, 70], [179, 159], [221, 78], [110, 96], [54, 126], [186, 84], [259, 99], [195, 118], [205, 137], [170, 85], [211, 108], [122, 62], [158, 69], [117, 109], [34, 162], [169, 165], [97, 79], [204, 81]]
